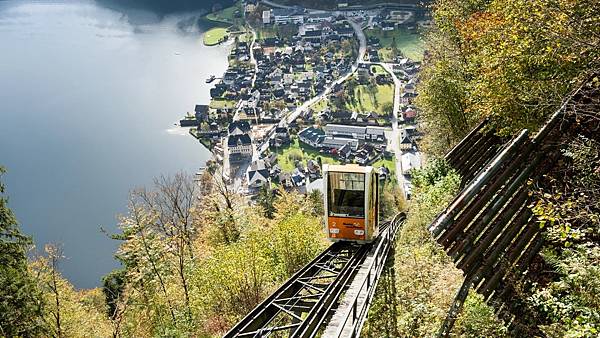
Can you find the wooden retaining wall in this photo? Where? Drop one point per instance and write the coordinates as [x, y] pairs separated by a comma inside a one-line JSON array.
[[488, 229]]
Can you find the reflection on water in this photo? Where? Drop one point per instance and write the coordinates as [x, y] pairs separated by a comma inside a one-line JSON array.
[[88, 102]]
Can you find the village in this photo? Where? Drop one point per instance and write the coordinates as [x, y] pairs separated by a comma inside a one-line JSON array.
[[309, 87]]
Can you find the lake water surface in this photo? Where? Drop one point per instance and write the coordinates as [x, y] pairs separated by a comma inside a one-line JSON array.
[[88, 99]]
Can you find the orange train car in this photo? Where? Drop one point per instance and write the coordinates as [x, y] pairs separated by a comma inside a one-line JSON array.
[[351, 203]]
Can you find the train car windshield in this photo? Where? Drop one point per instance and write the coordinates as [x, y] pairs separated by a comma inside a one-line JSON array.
[[346, 194]]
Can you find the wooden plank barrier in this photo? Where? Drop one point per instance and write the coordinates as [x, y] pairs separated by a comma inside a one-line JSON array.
[[488, 229]]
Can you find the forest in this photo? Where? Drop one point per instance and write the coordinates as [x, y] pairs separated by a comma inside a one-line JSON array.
[[515, 63], [195, 258]]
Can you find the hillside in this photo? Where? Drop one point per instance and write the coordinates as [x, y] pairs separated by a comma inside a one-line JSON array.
[[516, 63]]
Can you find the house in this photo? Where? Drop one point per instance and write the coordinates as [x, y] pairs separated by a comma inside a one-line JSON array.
[[313, 169], [285, 179], [345, 31], [250, 6], [282, 132], [280, 137], [275, 171], [388, 26], [384, 173], [201, 112], [338, 115], [312, 33], [409, 115], [331, 142], [239, 145], [364, 72], [399, 16], [218, 90], [365, 154], [319, 17], [406, 143], [298, 178], [367, 133], [189, 122], [258, 174], [345, 152], [266, 17], [410, 160], [311, 136], [373, 55], [287, 15], [229, 77], [238, 128]]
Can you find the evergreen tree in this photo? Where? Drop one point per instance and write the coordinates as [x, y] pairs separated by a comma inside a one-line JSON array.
[[266, 198], [20, 301]]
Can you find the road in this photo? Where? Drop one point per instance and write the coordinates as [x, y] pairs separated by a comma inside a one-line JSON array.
[[275, 5], [351, 8], [362, 48], [397, 117]]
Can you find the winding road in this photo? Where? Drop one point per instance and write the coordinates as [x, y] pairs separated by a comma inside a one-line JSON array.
[[362, 48], [361, 52], [397, 118]]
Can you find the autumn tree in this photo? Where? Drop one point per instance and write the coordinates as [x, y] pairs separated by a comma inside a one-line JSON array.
[[67, 312], [512, 61]]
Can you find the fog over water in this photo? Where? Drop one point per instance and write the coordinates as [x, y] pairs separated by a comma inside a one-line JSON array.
[[89, 94]]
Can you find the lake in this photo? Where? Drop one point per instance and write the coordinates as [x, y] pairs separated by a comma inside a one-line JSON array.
[[89, 94]]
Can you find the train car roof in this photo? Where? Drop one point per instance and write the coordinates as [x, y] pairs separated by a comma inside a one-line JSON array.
[[348, 168]]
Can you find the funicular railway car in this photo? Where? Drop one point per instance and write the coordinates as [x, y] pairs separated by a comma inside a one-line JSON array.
[[351, 203]]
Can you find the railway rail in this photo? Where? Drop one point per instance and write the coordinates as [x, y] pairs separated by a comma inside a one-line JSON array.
[[306, 301]]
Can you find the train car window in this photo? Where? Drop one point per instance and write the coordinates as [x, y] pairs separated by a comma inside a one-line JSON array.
[[346, 194]]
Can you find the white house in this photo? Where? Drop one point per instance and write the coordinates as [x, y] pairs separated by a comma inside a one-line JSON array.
[[369, 133], [239, 145], [287, 15], [410, 160], [266, 17], [257, 174]]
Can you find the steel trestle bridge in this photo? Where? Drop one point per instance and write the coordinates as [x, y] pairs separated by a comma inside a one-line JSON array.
[[329, 296]]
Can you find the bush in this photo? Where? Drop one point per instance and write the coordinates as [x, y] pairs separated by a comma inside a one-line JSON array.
[[295, 155]]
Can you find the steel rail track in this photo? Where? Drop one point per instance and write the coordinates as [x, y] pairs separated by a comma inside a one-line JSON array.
[[299, 307], [356, 314]]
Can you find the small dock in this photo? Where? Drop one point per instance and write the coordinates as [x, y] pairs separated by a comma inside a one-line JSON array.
[[211, 79]]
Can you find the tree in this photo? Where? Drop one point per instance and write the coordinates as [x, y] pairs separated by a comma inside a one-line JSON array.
[[388, 108], [511, 61], [295, 155], [316, 199], [21, 305], [219, 212], [265, 199], [173, 202], [67, 313]]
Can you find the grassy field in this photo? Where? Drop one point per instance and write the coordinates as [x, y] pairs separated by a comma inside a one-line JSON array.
[[410, 44], [246, 37], [377, 69], [220, 103], [320, 105], [285, 156], [215, 36], [226, 15], [265, 32], [364, 101], [390, 164]]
